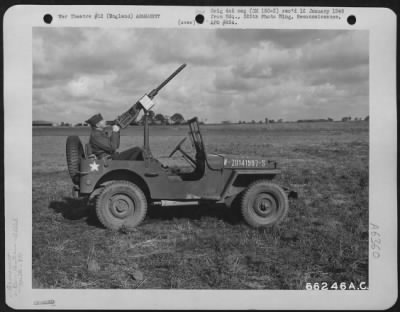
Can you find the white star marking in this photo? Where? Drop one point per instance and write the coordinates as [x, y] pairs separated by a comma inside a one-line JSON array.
[[94, 166]]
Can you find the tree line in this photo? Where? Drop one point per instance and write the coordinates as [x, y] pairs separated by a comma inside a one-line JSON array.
[[153, 119], [280, 120], [160, 119], [178, 119]]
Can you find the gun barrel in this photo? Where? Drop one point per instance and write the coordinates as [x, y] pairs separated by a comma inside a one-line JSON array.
[[126, 118], [154, 92]]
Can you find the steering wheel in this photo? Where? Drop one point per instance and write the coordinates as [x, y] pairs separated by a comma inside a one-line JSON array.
[[178, 147]]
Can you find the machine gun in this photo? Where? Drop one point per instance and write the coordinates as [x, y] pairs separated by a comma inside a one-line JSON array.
[[145, 102]]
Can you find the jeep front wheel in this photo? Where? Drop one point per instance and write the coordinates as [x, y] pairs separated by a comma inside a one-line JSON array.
[[264, 204], [121, 204]]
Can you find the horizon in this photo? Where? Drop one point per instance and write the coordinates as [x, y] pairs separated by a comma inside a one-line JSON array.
[[225, 122]]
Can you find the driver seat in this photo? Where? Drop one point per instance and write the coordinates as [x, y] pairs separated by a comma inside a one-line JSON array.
[[197, 140]]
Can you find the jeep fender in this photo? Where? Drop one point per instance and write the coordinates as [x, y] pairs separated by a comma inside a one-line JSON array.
[[239, 180], [126, 175]]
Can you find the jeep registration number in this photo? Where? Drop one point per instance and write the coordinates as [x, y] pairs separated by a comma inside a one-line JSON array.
[[245, 163]]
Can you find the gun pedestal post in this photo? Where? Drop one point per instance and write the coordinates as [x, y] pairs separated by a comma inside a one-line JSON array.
[[146, 147]]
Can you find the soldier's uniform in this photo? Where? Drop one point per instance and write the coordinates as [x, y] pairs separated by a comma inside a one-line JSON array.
[[103, 145]]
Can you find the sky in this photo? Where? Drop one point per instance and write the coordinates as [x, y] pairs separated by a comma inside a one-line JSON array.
[[231, 74]]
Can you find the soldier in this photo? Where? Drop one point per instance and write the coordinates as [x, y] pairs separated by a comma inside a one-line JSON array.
[[103, 145]]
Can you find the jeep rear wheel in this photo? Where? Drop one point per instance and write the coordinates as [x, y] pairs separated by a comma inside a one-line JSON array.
[[121, 204], [74, 152], [264, 204]]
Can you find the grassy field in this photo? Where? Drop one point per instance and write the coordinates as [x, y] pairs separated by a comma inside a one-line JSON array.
[[323, 239]]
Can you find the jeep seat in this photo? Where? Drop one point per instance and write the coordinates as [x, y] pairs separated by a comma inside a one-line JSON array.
[[88, 152]]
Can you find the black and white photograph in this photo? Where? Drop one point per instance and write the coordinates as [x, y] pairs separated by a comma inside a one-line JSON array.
[[190, 158], [251, 171]]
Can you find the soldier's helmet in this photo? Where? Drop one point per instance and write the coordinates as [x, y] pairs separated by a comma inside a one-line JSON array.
[[94, 120]]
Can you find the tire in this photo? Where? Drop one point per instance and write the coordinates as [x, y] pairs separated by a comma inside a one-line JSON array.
[[264, 204], [74, 152], [121, 204]]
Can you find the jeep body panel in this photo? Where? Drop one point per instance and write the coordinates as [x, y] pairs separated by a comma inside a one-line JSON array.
[[217, 183], [160, 181]]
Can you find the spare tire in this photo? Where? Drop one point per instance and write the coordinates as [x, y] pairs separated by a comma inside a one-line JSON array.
[[74, 151]]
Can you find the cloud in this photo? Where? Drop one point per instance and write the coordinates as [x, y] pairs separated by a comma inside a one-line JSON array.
[[231, 74], [84, 86], [346, 50], [180, 46], [282, 38]]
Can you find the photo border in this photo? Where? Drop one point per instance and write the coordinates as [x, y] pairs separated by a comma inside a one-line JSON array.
[[382, 293]]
